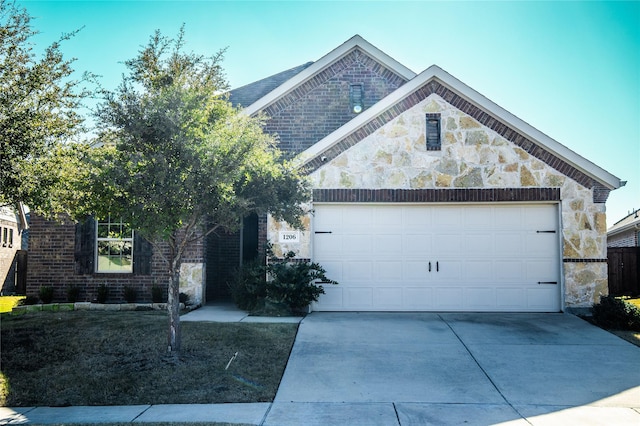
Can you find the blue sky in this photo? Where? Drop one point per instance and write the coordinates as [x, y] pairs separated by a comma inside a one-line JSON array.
[[570, 69]]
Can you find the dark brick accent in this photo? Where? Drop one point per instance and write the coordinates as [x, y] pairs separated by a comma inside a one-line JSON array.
[[321, 104], [470, 195], [600, 192], [584, 260]]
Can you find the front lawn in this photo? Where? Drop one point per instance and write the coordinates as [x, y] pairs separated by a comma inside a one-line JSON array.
[[120, 358]]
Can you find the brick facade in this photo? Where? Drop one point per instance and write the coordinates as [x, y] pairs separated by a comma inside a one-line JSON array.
[[52, 260], [624, 239]]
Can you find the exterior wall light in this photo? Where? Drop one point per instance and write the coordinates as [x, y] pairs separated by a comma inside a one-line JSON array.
[[356, 98]]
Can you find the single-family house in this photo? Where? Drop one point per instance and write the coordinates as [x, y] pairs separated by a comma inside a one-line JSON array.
[[427, 196], [626, 231], [13, 225]]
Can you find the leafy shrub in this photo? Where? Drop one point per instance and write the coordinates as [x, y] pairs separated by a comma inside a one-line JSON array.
[[103, 293], [156, 294], [183, 298], [45, 294], [295, 283], [249, 286], [73, 293], [615, 313], [130, 294]]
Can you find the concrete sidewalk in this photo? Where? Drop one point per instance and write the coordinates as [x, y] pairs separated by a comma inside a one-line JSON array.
[[420, 369]]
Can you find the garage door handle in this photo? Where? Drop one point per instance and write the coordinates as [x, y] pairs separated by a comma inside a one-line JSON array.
[[323, 232], [429, 266], [437, 267], [545, 232], [548, 282]]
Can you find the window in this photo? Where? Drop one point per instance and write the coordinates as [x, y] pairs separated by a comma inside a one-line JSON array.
[[114, 246], [10, 237], [433, 132], [4, 236], [356, 98]]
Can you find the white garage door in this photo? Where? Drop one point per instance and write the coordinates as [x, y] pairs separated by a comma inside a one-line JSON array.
[[438, 257]]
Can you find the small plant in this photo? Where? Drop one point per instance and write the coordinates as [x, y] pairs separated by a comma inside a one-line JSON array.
[[615, 313], [46, 294], [130, 294], [295, 283], [156, 294], [103, 293], [183, 298], [73, 293]]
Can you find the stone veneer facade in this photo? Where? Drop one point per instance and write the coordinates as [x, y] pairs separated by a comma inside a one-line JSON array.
[[473, 156]]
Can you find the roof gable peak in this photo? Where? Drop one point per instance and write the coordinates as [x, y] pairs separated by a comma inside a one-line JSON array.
[[355, 42]]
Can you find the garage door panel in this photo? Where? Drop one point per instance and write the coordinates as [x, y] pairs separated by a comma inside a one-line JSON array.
[[388, 297], [480, 298], [328, 246], [483, 257], [388, 270], [334, 270], [479, 271], [358, 297], [357, 272], [449, 298], [447, 245], [418, 298], [387, 244], [415, 271], [357, 243], [416, 245]]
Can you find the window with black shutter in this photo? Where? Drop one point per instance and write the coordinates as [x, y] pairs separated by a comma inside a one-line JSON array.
[[433, 132], [119, 255]]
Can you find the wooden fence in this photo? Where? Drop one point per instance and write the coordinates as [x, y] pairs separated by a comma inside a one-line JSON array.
[[624, 271]]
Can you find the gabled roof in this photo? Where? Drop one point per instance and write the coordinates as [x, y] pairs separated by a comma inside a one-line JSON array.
[[631, 221], [248, 94], [461, 96], [355, 42]]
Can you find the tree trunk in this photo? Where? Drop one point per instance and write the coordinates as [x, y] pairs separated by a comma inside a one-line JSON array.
[[173, 306]]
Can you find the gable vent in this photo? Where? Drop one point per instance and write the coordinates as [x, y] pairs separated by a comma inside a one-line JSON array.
[[433, 132]]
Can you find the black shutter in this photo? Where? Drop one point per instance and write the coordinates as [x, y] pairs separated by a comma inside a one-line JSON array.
[[84, 253], [142, 253]]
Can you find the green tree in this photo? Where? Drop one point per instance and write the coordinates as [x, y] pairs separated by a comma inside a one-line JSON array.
[[38, 107], [179, 161]]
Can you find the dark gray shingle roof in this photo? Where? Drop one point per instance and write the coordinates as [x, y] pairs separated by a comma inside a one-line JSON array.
[[248, 94]]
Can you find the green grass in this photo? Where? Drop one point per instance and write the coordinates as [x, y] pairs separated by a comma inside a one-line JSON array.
[[120, 358], [7, 303]]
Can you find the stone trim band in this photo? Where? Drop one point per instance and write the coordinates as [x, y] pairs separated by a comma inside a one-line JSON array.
[[445, 195]]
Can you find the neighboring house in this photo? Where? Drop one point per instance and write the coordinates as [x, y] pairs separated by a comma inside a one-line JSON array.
[[13, 225], [426, 197], [625, 232]]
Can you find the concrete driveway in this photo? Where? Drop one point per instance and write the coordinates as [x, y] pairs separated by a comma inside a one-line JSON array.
[[457, 368]]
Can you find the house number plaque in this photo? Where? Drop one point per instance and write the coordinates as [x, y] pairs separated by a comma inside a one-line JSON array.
[[289, 237]]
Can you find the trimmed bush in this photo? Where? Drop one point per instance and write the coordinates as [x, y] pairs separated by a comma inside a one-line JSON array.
[[103, 293], [73, 293], [130, 294], [615, 313], [46, 294], [156, 294]]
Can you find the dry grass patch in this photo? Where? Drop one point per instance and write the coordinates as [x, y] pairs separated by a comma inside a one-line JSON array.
[[120, 358]]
